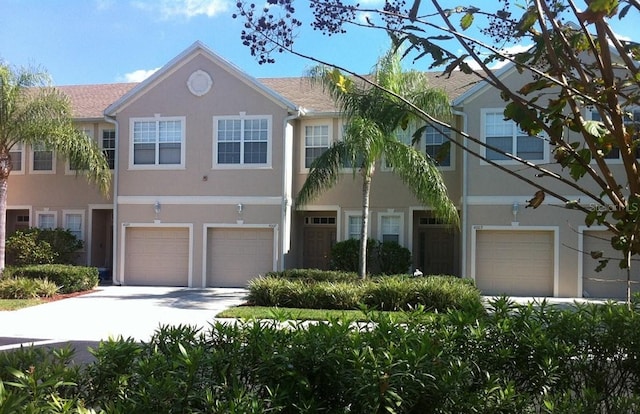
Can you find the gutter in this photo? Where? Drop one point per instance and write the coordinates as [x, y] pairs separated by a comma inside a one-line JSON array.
[[287, 186], [114, 268], [465, 194]]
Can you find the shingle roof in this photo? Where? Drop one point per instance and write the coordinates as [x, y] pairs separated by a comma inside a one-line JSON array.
[[90, 101]]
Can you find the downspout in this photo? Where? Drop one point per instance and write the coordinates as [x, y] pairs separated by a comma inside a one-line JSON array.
[[114, 239], [287, 185], [465, 193]]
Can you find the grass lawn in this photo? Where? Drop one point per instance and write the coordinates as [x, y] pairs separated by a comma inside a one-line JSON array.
[[261, 312], [14, 304]]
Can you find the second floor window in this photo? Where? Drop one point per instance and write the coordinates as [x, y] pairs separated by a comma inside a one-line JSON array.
[[242, 140], [42, 158], [109, 146], [316, 141], [505, 135], [433, 142], [158, 142], [17, 154]]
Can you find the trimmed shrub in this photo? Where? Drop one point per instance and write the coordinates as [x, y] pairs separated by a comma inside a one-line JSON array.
[[316, 275], [390, 293], [42, 246], [24, 288], [68, 278]]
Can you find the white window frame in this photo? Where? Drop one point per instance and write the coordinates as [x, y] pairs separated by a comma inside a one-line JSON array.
[[67, 169], [67, 213], [242, 165], [42, 213], [354, 213], [19, 147], [156, 165], [102, 132], [514, 139], [400, 217], [315, 123], [53, 161]]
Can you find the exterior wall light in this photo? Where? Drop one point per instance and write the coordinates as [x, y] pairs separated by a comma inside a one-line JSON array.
[[515, 208], [240, 207]]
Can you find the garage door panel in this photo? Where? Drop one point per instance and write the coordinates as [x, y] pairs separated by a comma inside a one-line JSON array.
[[516, 263], [156, 257], [610, 282], [235, 256]]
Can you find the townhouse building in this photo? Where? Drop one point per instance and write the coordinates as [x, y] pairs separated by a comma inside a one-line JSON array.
[[207, 161]]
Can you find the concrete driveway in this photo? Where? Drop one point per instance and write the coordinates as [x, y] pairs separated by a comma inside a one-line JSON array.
[[111, 311]]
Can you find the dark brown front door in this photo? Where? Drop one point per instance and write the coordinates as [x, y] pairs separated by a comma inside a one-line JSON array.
[[436, 250], [318, 241]]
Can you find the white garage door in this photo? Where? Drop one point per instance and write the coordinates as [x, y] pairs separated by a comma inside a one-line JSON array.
[[235, 256], [515, 262], [156, 256], [610, 282]]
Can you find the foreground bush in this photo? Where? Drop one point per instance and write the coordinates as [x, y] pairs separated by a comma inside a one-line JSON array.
[[24, 288], [68, 278], [390, 293], [516, 359]]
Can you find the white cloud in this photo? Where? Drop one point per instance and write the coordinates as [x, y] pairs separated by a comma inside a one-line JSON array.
[[137, 75], [498, 64], [104, 4], [169, 9]]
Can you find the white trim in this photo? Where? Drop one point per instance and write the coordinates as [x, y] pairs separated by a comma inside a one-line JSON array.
[[205, 231], [54, 162], [353, 213], [556, 247], [156, 165], [199, 200], [121, 254], [400, 214], [500, 200], [46, 212], [514, 137], [83, 231], [242, 116]]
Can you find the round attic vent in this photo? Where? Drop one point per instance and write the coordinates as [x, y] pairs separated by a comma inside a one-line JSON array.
[[199, 83]]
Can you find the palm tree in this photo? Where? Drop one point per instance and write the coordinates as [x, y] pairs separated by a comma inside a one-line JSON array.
[[373, 119], [33, 112]]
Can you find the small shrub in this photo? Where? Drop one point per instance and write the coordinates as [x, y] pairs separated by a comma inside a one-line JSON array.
[[344, 254], [392, 259], [42, 246], [68, 278], [24, 288]]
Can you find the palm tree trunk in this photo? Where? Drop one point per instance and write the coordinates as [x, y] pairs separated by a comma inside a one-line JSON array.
[[3, 220], [366, 191]]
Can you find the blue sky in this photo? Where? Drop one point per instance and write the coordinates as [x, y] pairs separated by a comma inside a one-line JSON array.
[[105, 41]]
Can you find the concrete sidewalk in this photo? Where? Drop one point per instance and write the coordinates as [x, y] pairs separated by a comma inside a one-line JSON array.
[[111, 311]]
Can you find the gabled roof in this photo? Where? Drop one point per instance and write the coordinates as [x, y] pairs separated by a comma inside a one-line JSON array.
[[196, 48], [480, 86], [89, 101], [94, 101]]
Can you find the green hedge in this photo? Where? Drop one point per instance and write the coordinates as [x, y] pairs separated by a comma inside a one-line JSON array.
[[391, 293], [515, 359], [68, 278]]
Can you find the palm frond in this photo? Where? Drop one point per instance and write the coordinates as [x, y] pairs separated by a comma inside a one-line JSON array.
[[422, 177], [324, 172]]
